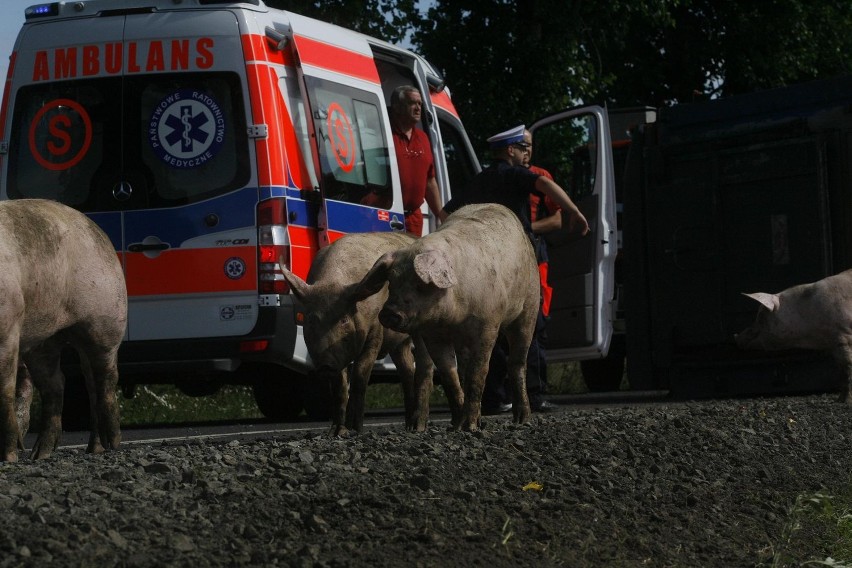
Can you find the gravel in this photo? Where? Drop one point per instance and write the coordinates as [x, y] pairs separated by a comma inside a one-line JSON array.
[[708, 483]]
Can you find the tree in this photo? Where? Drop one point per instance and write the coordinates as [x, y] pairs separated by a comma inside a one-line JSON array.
[[509, 61], [391, 20]]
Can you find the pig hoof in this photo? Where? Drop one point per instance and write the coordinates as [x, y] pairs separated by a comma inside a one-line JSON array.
[[339, 431]]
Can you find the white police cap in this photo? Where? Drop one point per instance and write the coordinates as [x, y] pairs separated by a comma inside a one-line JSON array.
[[512, 136]]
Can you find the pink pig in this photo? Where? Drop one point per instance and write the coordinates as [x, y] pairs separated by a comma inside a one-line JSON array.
[[814, 316]]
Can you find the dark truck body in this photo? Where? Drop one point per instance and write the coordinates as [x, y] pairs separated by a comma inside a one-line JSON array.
[[744, 194]]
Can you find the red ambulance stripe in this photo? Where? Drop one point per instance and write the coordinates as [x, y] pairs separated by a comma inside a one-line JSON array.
[[303, 237], [270, 160], [334, 235], [258, 48], [300, 260], [442, 100], [333, 58], [6, 90], [189, 271]]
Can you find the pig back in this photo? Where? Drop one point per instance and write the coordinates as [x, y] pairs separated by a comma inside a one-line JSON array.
[[492, 257], [60, 265], [350, 257]]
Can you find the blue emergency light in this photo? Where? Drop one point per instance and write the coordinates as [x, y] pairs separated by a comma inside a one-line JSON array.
[[42, 10]]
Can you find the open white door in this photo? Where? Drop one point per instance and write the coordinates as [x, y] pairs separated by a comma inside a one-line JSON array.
[[574, 146]]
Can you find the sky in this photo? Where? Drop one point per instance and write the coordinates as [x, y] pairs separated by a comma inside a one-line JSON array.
[[11, 20]]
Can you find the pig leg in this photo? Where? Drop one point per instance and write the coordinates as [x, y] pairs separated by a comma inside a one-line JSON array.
[[423, 384], [402, 356], [339, 383], [23, 402], [843, 356], [475, 370], [362, 368], [444, 357], [43, 365], [100, 367], [10, 436], [519, 338]]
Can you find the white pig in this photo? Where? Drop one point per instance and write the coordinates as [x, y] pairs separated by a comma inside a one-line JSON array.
[[341, 329], [62, 284], [475, 277], [808, 316]]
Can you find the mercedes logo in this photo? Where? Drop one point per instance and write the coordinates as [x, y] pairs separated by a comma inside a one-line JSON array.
[[122, 191]]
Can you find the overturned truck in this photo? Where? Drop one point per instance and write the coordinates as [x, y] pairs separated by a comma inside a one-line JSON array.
[[723, 197]]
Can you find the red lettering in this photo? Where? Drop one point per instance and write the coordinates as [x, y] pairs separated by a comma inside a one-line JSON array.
[[63, 136], [156, 60], [41, 68], [113, 57], [180, 54], [91, 60], [132, 64], [65, 63], [205, 55]]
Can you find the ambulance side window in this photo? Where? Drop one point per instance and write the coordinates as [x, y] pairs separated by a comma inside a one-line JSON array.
[[353, 150]]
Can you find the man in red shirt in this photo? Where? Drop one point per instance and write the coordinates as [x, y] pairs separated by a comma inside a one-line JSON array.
[[414, 158]]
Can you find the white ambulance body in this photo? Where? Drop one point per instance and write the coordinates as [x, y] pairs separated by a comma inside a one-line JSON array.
[[209, 139]]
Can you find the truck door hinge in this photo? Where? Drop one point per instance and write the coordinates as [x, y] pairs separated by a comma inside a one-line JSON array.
[[258, 131]]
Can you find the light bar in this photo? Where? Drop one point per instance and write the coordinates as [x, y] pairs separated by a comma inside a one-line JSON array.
[[42, 10]]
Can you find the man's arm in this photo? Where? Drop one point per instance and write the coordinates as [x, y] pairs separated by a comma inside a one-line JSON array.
[[433, 199], [576, 220], [552, 222]]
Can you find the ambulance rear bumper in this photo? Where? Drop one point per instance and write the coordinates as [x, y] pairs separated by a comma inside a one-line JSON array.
[[273, 340]]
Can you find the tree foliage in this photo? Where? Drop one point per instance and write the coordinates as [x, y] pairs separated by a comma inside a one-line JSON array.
[[510, 61], [391, 20]]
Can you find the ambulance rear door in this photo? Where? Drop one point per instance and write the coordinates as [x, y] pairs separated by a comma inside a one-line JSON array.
[[349, 130], [574, 146], [137, 118]]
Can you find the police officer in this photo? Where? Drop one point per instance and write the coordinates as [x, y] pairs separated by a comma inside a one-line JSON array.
[[507, 182]]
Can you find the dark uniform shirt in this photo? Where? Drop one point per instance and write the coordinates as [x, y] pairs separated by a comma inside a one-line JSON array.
[[500, 183]]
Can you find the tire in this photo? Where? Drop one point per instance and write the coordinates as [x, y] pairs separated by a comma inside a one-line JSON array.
[[604, 375], [277, 393]]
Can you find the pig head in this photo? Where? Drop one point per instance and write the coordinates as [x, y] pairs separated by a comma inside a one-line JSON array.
[[342, 330], [815, 316], [458, 288], [62, 284]]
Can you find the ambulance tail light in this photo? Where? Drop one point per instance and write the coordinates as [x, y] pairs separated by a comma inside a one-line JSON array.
[[274, 246]]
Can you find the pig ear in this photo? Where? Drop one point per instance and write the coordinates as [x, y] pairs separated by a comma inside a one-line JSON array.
[[770, 301], [433, 267], [299, 287], [375, 279]]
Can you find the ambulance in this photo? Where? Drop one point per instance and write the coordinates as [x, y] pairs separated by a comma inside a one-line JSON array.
[[211, 138]]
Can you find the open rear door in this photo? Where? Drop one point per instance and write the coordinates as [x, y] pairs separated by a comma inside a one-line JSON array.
[[350, 130], [574, 146]]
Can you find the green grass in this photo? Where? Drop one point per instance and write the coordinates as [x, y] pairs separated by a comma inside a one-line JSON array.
[[154, 404], [818, 532], [165, 403]]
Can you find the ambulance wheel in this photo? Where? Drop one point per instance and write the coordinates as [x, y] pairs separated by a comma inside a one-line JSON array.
[[604, 375], [316, 396], [278, 395]]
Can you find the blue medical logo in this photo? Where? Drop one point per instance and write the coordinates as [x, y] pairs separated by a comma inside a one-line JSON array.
[[187, 129]]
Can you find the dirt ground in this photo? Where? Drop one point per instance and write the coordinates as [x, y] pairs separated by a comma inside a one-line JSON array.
[[680, 484]]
